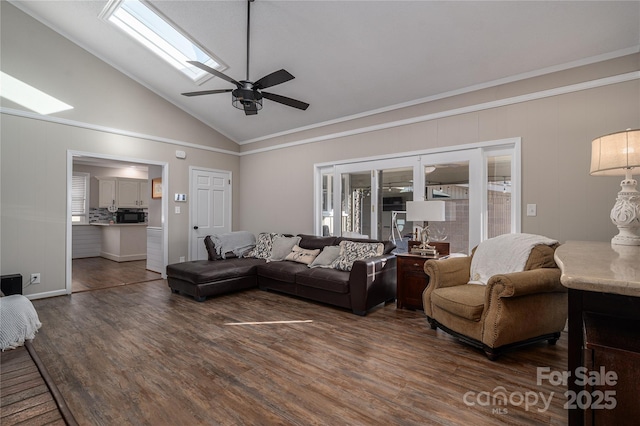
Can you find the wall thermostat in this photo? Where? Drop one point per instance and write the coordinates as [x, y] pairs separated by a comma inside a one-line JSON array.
[[181, 154]]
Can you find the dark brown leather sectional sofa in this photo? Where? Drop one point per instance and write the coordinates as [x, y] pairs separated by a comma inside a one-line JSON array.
[[370, 282]]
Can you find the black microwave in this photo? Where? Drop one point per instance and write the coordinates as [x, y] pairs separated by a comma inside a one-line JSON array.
[[129, 217]]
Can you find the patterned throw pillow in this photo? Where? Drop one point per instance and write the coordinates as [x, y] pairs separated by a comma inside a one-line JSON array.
[[264, 243], [301, 255], [351, 251]]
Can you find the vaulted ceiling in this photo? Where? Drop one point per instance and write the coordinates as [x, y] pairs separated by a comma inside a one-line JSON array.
[[354, 57]]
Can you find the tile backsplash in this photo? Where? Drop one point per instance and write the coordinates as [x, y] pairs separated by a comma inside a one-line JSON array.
[[104, 215]]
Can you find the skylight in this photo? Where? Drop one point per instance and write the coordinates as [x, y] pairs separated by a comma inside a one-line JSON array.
[[159, 35], [29, 97]]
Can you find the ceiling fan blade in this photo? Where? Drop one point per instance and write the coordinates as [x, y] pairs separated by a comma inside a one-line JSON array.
[[214, 72], [276, 77], [286, 101], [207, 92]]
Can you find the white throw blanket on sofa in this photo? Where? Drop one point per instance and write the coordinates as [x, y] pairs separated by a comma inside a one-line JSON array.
[[237, 242], [18, 321], [503, 254]]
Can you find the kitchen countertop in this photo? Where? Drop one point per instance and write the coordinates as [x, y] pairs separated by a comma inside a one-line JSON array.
[[600, 267]]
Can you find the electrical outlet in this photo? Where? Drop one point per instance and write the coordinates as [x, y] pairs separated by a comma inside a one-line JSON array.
[[181, 258], [35, 278]]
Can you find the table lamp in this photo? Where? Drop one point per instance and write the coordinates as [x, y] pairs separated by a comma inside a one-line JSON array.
[[425, 211], [618, 154]]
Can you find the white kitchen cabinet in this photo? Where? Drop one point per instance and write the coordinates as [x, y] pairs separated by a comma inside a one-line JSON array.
[[107, 192], [144, 194], [128, 193], [123, 193], [133, 193]]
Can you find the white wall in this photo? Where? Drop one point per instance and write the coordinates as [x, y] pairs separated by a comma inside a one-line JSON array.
[[556, 130], [33, 152]]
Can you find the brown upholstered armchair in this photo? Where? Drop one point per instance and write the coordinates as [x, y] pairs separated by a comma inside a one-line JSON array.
[[511, 310]]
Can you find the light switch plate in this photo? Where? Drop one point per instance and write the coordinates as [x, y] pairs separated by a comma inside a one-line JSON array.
[[532, 210]]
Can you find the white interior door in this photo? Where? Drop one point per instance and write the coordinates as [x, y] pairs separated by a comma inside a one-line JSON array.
[[210, 208]]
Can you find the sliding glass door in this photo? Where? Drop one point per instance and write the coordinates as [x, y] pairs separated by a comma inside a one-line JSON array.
[[325, 222], [396, 188], [446, 178], [500, 194], [356, 203], [480, 186], [363, 199]]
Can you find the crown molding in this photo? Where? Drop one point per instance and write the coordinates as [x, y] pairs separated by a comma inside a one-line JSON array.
[[458, 111], [621, 78], [111, 130]]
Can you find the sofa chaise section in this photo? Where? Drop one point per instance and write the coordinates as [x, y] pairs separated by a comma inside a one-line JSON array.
[[202, 278]]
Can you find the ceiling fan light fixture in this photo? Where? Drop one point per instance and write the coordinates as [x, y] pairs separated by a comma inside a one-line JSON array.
[[246, 98]]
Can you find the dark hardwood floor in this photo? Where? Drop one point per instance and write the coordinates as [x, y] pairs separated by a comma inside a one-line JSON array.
[[27, 394], [94, 273], [138, 354]]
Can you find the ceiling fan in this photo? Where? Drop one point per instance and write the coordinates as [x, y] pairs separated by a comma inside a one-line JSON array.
[[248, 95]]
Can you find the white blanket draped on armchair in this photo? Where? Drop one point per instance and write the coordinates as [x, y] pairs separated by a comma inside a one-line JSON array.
[[503, 254]]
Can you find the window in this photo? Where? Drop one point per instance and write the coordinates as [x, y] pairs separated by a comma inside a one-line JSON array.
[[479, 183], [499, 210], [327, 201], [447, 178], [80, 197], [159, 35]]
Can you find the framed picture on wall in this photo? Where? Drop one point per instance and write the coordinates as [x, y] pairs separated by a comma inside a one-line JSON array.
[[156, 188]]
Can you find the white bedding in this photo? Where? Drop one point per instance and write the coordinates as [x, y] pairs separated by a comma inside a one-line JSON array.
[[18, 321]]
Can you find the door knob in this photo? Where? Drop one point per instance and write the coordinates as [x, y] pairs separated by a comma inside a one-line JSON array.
[[195, 227]]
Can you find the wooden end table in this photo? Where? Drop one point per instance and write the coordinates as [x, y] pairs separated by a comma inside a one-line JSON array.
[[411, 279]]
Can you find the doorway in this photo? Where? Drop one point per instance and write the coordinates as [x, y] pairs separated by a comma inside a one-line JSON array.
[[135, 270], [97, 273]]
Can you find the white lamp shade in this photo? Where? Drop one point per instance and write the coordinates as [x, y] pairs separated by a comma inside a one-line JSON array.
[[612, 154], [425, 211]]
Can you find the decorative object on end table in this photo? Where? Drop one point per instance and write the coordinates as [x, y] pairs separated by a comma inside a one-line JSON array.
[[425, 211], [618, 154]]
